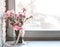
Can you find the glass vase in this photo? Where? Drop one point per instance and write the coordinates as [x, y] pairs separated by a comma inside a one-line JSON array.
[[21, 33], [20, 38]]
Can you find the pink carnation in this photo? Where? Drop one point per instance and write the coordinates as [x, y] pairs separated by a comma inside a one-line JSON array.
[[10, 13], [18, 28], [16, 24], [21, 15]]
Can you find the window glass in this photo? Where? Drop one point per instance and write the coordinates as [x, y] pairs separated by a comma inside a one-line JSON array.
[[46, 13]]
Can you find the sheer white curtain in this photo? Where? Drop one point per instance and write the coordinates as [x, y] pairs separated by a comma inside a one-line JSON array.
[[46, 14], [2, 33]]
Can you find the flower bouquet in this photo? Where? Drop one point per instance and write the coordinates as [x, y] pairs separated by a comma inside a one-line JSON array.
[[17, 22]]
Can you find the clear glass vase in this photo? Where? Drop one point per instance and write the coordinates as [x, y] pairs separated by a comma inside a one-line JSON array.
[[17, 34]]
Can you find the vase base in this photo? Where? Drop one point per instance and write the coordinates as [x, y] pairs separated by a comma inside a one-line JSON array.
[[13, 43], [23, 43]]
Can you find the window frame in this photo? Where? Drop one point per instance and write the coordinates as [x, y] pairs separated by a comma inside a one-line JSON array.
[[39, 35]]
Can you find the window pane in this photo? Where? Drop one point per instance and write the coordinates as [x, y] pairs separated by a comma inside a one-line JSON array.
[[46, 14]]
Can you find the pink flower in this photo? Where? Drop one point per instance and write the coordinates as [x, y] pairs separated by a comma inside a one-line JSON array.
[[16, 24], [21, 15], [24, 16], [17, 28], [16, 20], [10, 13]]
